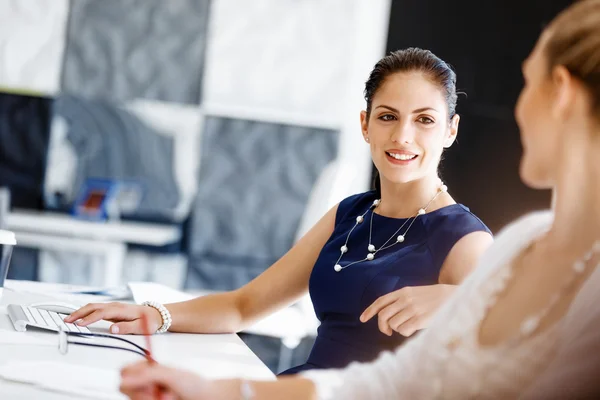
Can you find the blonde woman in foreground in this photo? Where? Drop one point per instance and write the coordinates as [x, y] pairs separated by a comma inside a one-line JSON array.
[[533, 302]]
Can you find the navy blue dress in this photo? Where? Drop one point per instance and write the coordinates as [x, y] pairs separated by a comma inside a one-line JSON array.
[[339, 298]]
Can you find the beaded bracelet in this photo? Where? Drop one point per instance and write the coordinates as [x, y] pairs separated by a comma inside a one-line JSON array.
[[164, 313]]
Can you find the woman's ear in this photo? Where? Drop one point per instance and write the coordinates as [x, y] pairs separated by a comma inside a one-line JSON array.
[[452, 132], [564, 92], [364, 125]]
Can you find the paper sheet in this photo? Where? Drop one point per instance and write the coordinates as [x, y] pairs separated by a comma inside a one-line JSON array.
[[147, 291], [84, 381]]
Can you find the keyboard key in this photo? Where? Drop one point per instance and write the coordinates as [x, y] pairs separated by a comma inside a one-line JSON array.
[[58, 321], [37, 318], [72, 327], [83, 329], [28, 313], [48, 319]]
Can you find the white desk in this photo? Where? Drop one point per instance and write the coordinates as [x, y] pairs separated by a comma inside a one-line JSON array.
[[212, 355], [62, 232], [290, 325], [65, 225]]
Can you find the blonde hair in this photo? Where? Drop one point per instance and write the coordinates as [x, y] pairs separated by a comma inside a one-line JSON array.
[[574, 42]]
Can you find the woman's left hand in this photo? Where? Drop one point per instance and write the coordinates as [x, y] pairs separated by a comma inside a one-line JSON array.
[[143, 381], [409, 309]]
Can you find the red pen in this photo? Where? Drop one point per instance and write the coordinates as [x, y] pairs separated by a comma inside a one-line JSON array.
[[149, 358]]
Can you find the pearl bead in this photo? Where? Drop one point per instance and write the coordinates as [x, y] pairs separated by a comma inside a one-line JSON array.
[[443, 188], [370, 256], [400, 238], [579, 267], [337, 267], [359, 219], [376, 202], [421, 211], [529, 325], [371, 248], [344, 249]]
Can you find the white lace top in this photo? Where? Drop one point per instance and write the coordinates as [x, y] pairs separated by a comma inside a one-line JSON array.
[[446, 361]]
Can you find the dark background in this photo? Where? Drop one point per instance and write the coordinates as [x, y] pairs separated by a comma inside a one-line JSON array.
[[485, 42]]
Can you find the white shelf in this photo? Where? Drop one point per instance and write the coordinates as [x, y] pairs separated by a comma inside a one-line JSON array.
[[55, 224]]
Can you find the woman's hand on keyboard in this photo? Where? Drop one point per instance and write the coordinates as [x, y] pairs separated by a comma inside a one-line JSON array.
[[126, 317]]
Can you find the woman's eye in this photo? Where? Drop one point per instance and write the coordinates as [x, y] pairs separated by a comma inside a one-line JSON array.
[[425, 120], [387, 117]]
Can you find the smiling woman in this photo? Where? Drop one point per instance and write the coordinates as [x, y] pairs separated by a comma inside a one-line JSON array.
[[379, 264], [411, 99]]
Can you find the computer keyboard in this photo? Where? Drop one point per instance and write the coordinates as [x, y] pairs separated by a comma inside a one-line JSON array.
[[23, 316]]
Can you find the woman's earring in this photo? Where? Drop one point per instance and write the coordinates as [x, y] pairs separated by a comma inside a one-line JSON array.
[[367, 139]]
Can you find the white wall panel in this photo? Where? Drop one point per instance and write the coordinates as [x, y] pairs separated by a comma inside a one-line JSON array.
[[32, 42]]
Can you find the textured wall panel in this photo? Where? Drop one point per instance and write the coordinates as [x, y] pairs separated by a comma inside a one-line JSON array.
[[255, 179], [287, 56], [111, 142], [122, 50], [182, 124], [32, 40]]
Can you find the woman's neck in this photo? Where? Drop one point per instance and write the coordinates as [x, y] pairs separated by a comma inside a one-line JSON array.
[[404, 200], [576, 199]]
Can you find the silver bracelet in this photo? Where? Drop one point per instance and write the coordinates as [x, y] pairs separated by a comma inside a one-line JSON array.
[[246, 391], [164, 313]]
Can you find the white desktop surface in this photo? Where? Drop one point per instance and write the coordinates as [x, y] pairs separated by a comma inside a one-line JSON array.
[[211, 355], [50, 223]]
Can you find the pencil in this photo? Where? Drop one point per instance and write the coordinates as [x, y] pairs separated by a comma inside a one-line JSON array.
[[149, 357]]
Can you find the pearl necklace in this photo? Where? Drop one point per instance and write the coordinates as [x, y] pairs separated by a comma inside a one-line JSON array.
[[528, 327], [371, 249]]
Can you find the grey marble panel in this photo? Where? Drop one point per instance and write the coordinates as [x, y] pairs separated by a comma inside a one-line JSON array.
[[126, 49], [255, 179]]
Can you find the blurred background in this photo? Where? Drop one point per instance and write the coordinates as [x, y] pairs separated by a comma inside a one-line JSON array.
[[191, 142]]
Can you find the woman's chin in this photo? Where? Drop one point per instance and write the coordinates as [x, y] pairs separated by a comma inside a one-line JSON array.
[[535, 178], [401, 179]]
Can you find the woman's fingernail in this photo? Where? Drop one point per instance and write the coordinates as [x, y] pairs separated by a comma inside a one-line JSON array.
[[114, 329]]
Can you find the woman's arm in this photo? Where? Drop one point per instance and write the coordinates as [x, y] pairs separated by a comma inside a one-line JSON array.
[[280, 285], [411, 308], [405, 374], [464, 256], [140, 381]]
